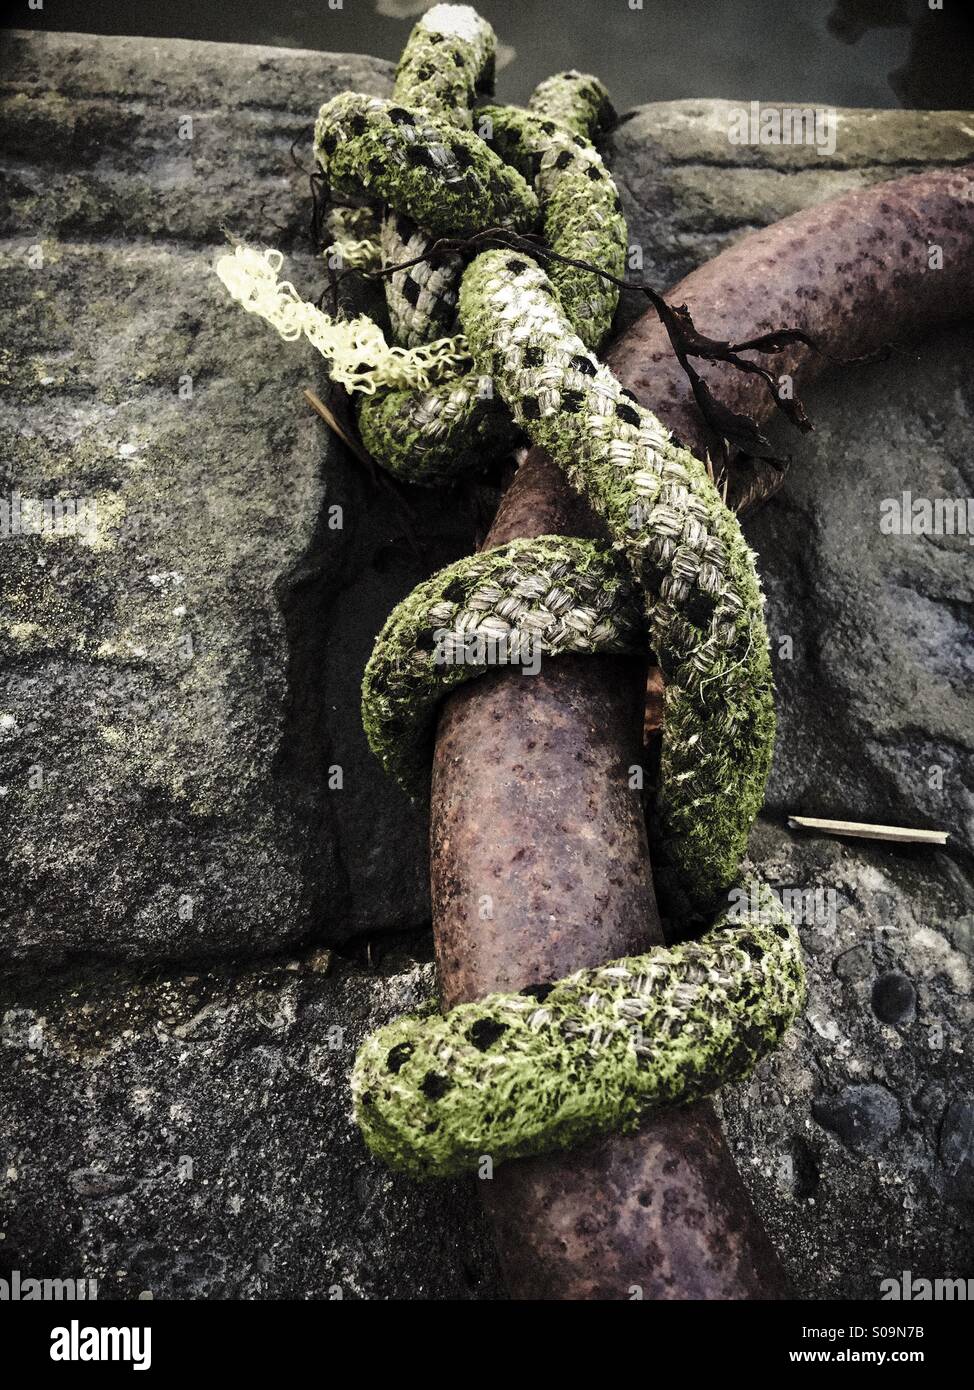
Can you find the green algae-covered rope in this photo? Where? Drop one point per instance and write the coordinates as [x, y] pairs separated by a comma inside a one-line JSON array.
[[431, 436], [518, 1074], [427, 436], [581, 212], [685, 550], [392, 152], [448, 61], [559, 592]]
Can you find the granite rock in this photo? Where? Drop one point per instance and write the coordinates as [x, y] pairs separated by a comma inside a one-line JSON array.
[[181, 760], [854, 1139]]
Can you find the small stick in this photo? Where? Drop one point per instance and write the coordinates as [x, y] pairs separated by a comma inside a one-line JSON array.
[[332, 422], [859, 830], [377, 475]]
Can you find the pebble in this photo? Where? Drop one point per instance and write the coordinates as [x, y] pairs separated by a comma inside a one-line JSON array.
[[957, 1149], [894, 997], [862, 1117], [854, 964]]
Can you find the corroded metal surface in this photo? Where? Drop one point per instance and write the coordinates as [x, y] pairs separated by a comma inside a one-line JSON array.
[[539, 858], [539, 844], [660, 1215], [539, 866], [856, 273]]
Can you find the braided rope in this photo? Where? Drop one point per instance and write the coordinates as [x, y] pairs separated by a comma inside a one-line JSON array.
[[575, 100], [518, 1074], [698, 581], [523, 1073], [559, 593], [390, 151], [447, 61], [421, 299], [425, 437], [582, 213]]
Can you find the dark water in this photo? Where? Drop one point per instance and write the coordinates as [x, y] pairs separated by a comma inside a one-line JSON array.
[[830, 52]]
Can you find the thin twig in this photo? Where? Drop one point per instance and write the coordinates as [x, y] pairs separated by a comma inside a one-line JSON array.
[[862, 830], [333, 423], [377, 475]]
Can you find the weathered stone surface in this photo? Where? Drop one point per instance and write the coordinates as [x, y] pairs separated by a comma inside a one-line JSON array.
[[166, 801], [855, 1138], [956, 1148], [688, 191], [149, 138], [180, 681], [894, 997], [864, 1118], [189, 1136], [875, 702]]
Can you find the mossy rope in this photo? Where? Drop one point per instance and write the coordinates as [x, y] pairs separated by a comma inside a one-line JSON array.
[[517, 1074]]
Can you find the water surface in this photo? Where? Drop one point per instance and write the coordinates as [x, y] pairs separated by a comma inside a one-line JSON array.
[[827, 52]]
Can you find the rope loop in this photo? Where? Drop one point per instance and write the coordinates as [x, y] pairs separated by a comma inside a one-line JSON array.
[[491, 346]]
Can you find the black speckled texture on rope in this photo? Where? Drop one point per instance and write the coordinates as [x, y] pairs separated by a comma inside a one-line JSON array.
[[703, 603], [390, 151], [429, 437], [557, 593], [421, 299], [447, 62], [528, 1073], [415, 434], [582, 213]]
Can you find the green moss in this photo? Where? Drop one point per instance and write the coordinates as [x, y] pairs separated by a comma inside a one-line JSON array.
[[447, 61], [504, 589], [432, 437], [581, 212], [576, 100], [364, 142], [515, 1074]]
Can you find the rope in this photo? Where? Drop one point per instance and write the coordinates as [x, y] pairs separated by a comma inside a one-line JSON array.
[[359, 356], [515, 1074]]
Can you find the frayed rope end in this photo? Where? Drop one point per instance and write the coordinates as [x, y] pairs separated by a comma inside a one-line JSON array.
[[356, 350]]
